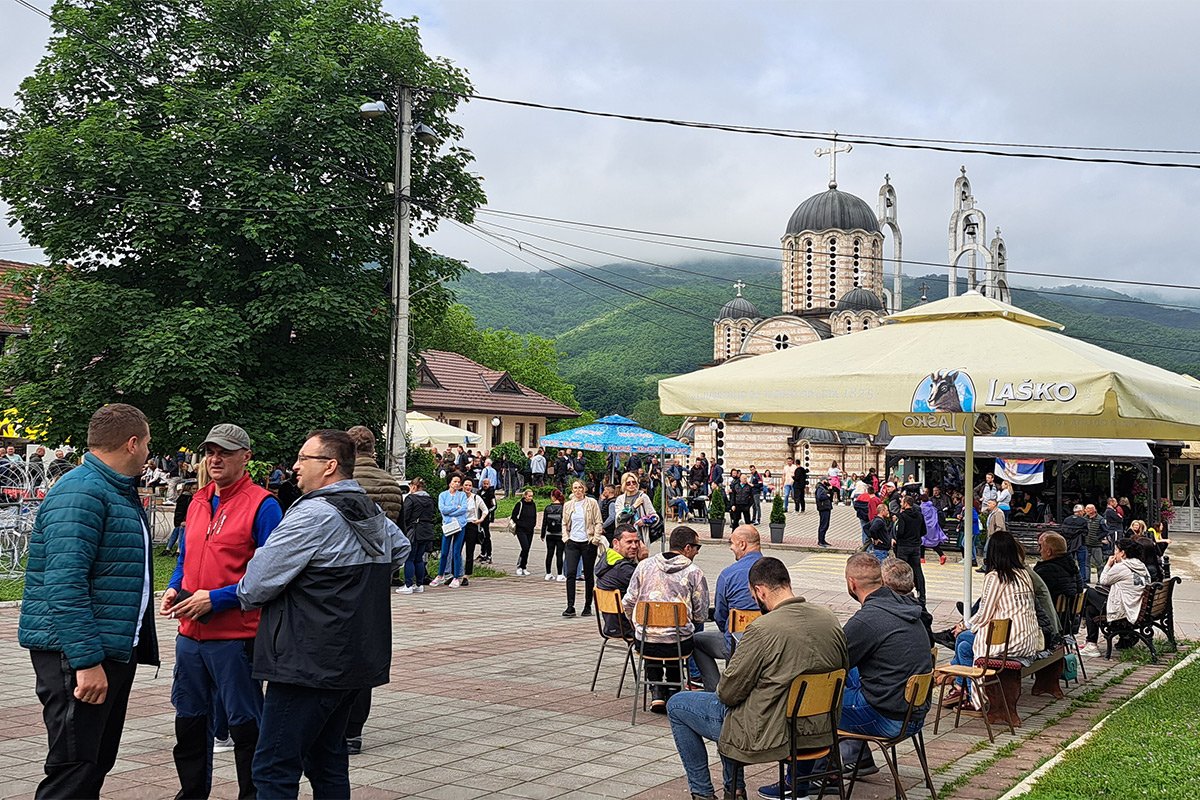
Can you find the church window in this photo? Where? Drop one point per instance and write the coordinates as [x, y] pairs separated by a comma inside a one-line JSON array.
[[849, 325], [807, 455], [781, 341], [742, 335], [728, 341], [866, 324]]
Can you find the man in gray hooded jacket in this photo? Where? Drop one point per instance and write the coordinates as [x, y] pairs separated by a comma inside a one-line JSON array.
[[323, 583]]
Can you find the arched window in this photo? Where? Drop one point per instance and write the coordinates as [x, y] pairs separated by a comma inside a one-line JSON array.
[[781, 341]]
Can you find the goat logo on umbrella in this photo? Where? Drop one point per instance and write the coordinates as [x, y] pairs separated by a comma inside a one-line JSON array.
[[945, 391]]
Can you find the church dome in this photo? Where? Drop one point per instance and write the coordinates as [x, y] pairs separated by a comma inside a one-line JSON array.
[[860, 299], [739, 308], [819, 436], [833, 210]]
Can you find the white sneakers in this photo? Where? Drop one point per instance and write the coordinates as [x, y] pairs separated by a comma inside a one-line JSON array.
[[549, 576], [1090, 650], [454, 584], [405, 590], [521, 571], [438, 581], [418, 589], [562, 578]]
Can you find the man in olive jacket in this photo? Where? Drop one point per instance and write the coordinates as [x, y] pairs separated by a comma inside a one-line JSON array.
[[87, 616], [747, 715]]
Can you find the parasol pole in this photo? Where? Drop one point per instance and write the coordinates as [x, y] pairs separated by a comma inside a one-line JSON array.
[[662, 494], [968, 516]]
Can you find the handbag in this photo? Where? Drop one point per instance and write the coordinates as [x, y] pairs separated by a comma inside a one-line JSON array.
[[451, 527]]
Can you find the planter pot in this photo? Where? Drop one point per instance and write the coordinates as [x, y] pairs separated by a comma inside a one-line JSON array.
[[716, 528], [777, 532]]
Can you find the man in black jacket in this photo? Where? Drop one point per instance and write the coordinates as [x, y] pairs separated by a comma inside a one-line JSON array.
[[879, 532], [615, 567], [1074, 530], [799, 486], [910, 529], [824, 509], [888, 643], [323, 580], [741, 495]]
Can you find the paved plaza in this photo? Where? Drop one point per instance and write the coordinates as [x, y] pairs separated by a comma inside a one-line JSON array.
[[489, 698]]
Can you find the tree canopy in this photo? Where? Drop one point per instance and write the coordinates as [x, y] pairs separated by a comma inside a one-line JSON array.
[[215, 213]]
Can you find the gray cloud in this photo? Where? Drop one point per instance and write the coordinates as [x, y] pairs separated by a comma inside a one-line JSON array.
[[1115, 74]]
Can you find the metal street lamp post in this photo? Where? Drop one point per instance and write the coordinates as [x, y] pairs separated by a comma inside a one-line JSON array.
[[397, 404]]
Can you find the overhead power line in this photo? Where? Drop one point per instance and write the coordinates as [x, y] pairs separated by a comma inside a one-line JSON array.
[[897, 142]]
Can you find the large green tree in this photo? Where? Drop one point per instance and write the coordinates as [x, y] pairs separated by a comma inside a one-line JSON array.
[[215, 212]]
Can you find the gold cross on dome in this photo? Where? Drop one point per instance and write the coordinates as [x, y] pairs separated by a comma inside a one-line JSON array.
[[832, 152]]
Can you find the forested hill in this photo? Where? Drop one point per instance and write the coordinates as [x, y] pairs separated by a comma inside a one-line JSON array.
[[647, 322]]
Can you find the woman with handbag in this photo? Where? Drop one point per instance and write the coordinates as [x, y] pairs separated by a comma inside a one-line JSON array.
[[524, 520], [583, 533], [418, 516], [454, 506], [636, 504]]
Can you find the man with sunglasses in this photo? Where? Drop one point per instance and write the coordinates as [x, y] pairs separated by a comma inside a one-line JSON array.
[[323, 582], [228, 521]]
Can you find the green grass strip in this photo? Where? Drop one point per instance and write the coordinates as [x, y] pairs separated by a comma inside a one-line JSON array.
[[1148, 748]]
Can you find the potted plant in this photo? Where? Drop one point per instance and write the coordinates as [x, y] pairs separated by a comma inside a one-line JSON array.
[[716, 513], [778, 520]]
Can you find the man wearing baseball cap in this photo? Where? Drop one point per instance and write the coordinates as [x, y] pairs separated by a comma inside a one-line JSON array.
[[227, 521]]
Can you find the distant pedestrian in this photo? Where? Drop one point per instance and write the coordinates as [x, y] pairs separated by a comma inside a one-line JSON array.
[[824, 509], [524, 520]]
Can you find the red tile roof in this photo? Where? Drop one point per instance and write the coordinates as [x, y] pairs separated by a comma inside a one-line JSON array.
[[465, 385], [7, 296]]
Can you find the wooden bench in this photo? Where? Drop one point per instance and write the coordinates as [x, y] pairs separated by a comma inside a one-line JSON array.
[[1156, 613], [1046, 672]]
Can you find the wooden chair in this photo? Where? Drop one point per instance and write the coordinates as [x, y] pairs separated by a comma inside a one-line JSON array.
[[650, 614], [739, 620], [918, 691], [812, 695], [1070, 612], [608, 606], [979, 677]]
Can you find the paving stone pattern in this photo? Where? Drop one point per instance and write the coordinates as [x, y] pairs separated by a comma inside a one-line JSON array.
[[489, 698]]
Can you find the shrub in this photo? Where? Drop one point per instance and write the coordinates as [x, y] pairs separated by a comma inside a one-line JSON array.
[[420, 463], [511, 451], [716, 504], [778, 517]]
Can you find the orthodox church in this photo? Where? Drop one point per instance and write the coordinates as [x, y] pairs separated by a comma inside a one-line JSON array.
[[834, 252]]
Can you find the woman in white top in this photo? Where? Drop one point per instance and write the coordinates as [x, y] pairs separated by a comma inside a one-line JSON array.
[[1004, 497], [835, 482], [583, 532], [477, 512], [636, 503]]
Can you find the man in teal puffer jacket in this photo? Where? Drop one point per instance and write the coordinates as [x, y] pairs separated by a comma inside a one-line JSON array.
[[86, 617]]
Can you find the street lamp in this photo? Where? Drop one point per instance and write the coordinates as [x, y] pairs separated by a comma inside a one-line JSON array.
[[398, 359]]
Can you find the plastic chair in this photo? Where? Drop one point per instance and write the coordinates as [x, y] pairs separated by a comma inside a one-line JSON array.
[[980, 678], [918, 691], [1070, 611], [652, 614], [814, 695], [608, 606]]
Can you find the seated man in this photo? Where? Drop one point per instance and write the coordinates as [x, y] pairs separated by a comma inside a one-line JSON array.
[[668, 577], [1058, 568], [747, 716], [614, 568], [733, 591], [888, 643], [898, 576]]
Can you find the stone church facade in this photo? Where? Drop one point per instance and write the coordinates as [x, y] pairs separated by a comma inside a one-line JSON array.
[[834, 250]]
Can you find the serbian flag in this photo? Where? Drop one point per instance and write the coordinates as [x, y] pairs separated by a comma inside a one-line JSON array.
[[1020, 471]]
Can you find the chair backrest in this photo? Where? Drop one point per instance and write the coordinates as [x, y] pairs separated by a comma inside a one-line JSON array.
[[1146, 610], [608, 607], [740, 618], [997, 635], [918, 691], [815, 693], [1160, 601], [660, 614], [608, 601]]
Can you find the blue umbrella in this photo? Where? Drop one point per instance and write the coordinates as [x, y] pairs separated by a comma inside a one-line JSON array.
[[615, 434]]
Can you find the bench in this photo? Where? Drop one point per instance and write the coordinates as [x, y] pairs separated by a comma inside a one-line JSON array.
[[1027, 533], [1046, 669], [1156, 613]]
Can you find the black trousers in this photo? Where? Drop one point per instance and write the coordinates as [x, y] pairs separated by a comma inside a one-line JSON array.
[[472, 539], [798, 495], [1095, 607], [823, 524], [485, 539], [359, 711], [525, 539], [555, 548], [84, 738], [912, 557], [575, 552]]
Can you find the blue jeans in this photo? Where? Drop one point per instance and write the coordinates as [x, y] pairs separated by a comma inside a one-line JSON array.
[[450, 561], [414, 568], [787, 495], [859, 717], [173, 538], [696, 716], [880, 554], [1081, 555], [303, 731]]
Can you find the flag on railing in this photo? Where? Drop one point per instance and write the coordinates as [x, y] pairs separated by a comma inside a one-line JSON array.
[[1020, 471]]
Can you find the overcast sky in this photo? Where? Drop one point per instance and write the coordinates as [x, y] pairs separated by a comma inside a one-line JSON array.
[[1088, 73]]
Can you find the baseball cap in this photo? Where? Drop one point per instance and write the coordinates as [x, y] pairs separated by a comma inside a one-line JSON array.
[[228, 436]]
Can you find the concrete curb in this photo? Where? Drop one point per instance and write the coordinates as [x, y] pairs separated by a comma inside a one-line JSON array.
[[1027, 784]]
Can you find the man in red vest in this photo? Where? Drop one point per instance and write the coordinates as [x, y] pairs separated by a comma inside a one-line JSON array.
[[227, 521]]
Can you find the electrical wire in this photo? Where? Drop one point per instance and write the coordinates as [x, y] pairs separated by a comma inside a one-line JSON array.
[[902, 143]]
